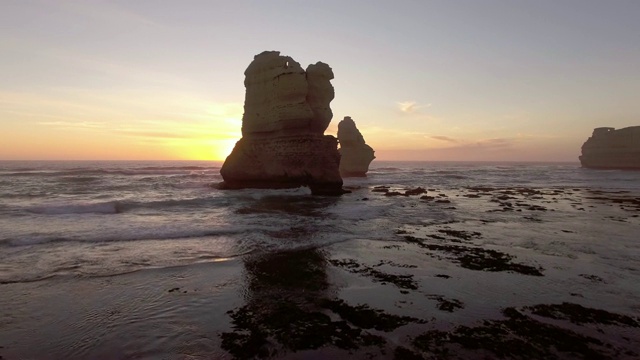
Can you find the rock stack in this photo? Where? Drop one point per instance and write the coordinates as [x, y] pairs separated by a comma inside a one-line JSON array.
[[356, 155], [286, 111]]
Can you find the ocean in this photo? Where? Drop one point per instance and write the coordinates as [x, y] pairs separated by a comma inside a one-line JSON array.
[[150, 227]]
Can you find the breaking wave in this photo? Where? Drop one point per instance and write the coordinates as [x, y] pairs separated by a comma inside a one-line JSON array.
[[141, 235], [110, 207], [117, 207]]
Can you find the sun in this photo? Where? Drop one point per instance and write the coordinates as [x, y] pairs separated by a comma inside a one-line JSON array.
[[216, 150], [210, 149], [223, 148]]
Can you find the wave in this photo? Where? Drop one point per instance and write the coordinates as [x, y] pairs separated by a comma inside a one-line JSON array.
[[159, 204], [27, 279], [80, 179], [193, 185], [117, 207], [110, 207], [453, 176], [178, 167], [385, 169], [145, 234], [446, 172], [78, 271]]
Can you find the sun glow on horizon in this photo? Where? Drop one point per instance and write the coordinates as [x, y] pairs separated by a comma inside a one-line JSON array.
[[214, 150]]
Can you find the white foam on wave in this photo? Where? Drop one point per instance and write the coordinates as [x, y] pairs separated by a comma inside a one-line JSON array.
[[258, 194], [110, 207], [359, 210], [193, 185], [116, 207], [161, 233]]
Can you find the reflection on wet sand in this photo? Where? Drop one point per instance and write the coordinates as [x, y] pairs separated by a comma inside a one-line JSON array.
[[290, 303]]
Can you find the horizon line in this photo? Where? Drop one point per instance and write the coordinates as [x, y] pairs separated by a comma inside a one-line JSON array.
[[160, 160]]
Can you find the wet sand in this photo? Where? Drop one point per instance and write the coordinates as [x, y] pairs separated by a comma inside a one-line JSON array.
[[496, 275]]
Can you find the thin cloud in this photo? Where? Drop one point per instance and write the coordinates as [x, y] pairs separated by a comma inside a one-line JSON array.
[[481, 144], [190, 135], [496, 143], [151, 134], [409, 107], [82, 124], [445, 138]]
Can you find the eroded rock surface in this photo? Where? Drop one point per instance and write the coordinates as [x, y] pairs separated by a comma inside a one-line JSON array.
[[286, 112], [356, 155]]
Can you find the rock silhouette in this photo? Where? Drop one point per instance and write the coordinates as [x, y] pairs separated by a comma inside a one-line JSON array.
[[356, 155], [608, 148], [286, 112]]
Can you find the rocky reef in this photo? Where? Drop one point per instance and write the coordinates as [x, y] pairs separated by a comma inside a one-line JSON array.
[[286, 112], [356, 155], [608, 148]]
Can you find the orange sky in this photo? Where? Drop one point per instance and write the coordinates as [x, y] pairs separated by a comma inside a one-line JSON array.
[[461, 80]]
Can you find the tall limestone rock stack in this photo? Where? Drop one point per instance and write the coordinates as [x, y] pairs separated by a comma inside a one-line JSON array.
[[286, 111], [356, 155]]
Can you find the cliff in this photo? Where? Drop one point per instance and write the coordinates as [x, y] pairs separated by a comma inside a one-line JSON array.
[[608, 148]]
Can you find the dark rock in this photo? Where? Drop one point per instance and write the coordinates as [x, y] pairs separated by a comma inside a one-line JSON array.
[[517, 337], [401, 281], [416, 191], [355, 154], [475, 258], [394, 193], [579, 314], [364, 317]]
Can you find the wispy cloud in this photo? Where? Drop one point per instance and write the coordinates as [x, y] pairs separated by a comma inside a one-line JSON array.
[[80, 124], [186, 132], [394, 133], [151, 134], [484, 144], [445, 138], [410, 106], [496, 143]]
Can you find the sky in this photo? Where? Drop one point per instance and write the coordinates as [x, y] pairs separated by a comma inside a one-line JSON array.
[[448, 80]]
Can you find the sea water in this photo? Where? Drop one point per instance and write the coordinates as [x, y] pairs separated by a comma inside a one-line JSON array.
[[97, 218], [150, 260]]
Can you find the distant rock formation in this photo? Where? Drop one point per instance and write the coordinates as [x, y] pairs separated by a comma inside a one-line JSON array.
[[608, 148], [355, 154], [286, 111]]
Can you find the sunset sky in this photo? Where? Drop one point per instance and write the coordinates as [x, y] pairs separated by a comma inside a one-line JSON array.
[[423, 80]]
